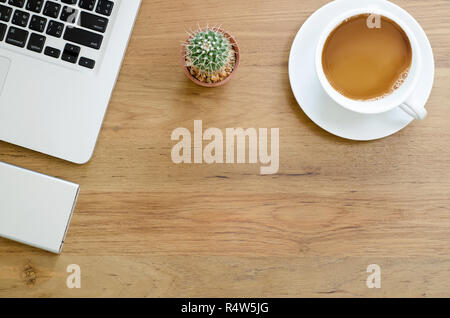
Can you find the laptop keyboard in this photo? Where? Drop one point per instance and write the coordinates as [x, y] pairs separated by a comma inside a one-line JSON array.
[[58, 29]]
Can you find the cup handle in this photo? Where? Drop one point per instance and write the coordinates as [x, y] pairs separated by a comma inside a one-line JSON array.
[[413, 109]]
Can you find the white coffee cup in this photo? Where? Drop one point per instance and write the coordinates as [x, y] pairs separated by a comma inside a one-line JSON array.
[[401, 97]]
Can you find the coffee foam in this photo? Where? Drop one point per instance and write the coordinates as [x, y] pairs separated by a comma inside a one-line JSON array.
[[401, 80]]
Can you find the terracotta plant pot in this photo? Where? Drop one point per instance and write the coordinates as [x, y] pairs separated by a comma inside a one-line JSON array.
[[200, 83]]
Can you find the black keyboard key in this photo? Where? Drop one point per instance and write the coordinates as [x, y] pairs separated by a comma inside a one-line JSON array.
[[83, 37], [34, 5], [69, 58], [52, 52], [17, 3], [85, 62], [69, 1], [87, 4], [93, 22], [20, 18], [51, 9], [104, 7], [69, 14], [37, 23], [36, 42], [70, 53], [5, 13], [3, 28], [55, 28], [17, 37], [73, 49]]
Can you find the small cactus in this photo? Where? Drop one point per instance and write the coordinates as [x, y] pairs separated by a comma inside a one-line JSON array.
[[210, 55]]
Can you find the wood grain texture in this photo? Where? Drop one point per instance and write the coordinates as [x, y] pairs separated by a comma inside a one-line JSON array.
[[147, 227]]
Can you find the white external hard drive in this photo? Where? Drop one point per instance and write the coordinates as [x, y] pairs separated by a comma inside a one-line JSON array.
[[35, 209]]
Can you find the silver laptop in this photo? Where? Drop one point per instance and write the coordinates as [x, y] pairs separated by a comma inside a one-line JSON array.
[[59, 60]]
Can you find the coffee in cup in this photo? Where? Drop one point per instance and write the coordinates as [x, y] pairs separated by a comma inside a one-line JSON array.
[[370, 68], [367, 57]]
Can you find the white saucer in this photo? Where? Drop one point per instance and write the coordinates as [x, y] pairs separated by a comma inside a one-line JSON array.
[[319, 107]]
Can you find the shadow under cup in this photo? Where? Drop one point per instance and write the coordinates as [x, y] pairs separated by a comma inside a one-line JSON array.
[[368, 61]]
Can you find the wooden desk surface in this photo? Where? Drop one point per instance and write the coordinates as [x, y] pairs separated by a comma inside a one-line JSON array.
[[147, 227]]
